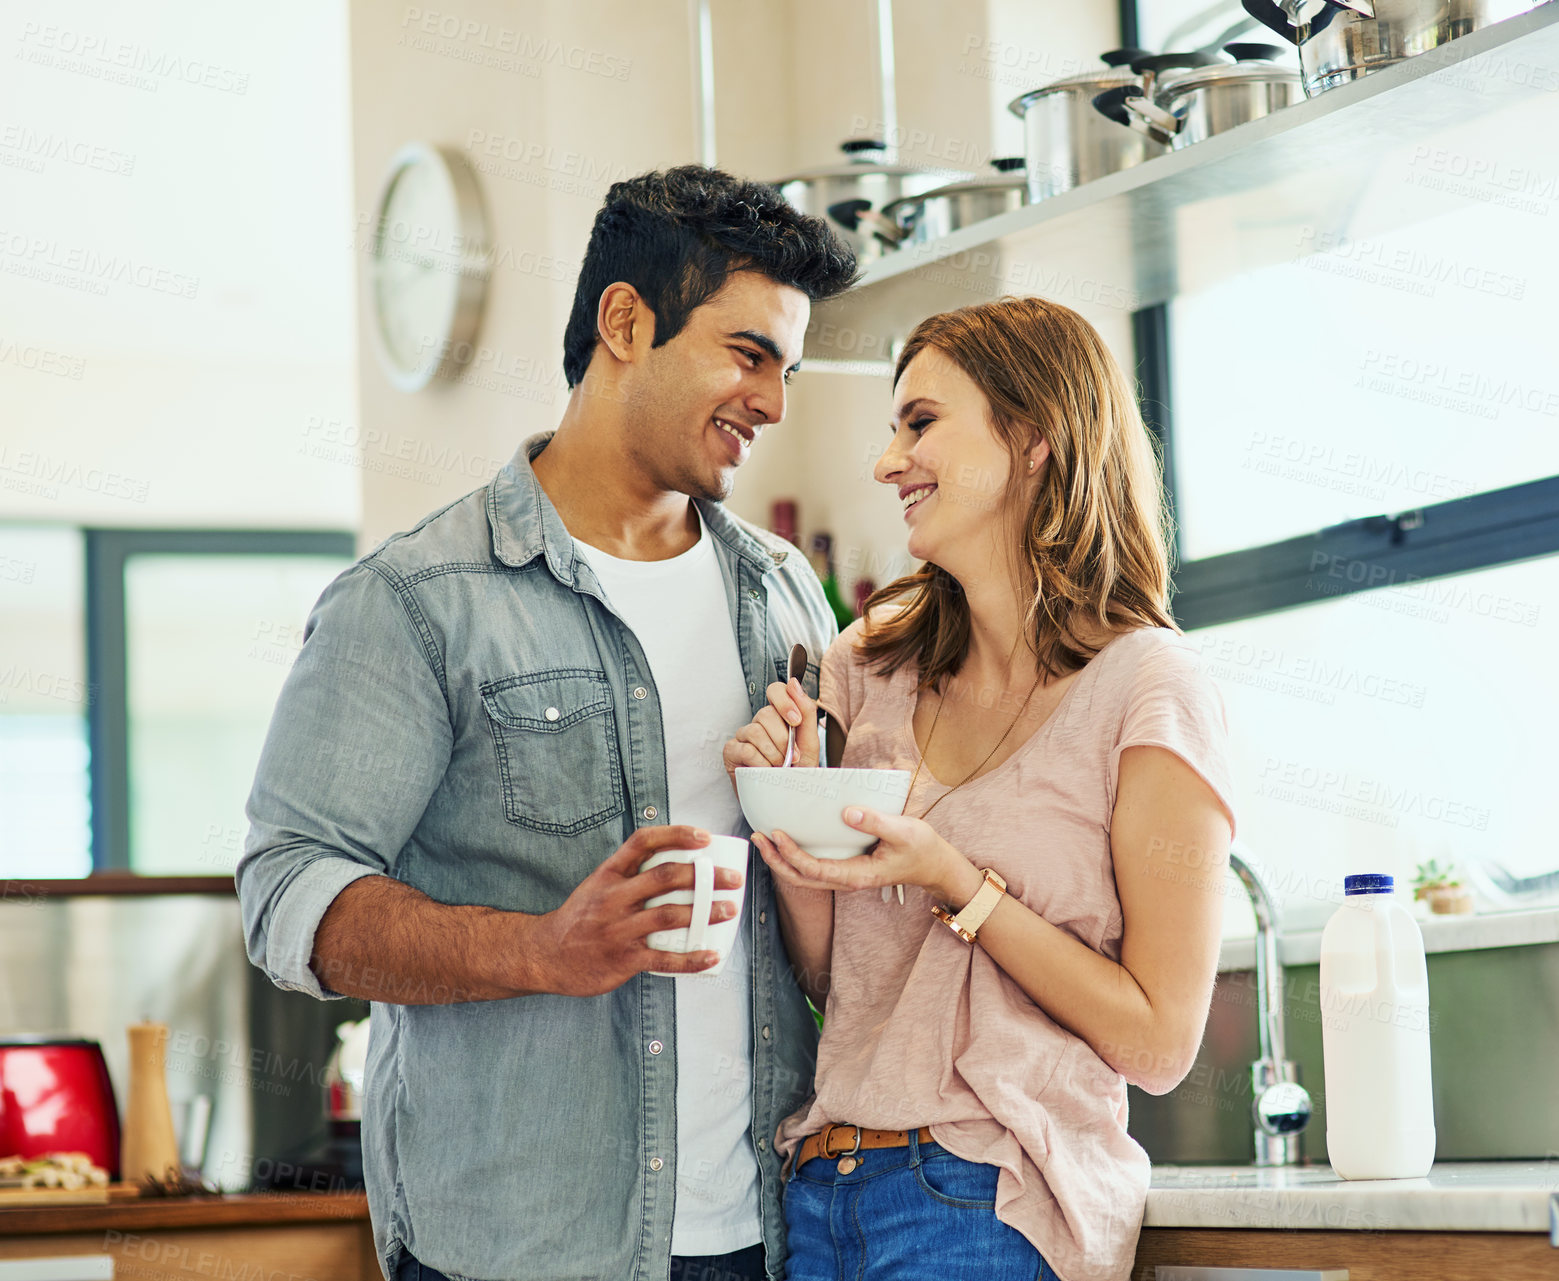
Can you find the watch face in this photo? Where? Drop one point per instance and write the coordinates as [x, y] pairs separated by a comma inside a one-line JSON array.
[[429, 258]]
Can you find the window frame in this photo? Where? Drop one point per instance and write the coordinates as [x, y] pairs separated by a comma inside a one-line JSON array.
[[107, 551], [1393, 549]]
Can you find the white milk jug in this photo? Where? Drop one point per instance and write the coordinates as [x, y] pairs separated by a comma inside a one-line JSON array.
[[1375, 1037]]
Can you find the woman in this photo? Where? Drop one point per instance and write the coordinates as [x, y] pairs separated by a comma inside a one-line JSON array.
[[969, 1114]]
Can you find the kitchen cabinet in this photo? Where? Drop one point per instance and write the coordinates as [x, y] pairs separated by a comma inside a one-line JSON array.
[[1312, 177], [1466, 1221], [324, 1236], [1367, 1256]]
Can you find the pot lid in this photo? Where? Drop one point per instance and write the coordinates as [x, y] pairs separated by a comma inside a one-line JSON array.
[[864, 156], [1177, 84], [1089, 83], [1009, 180]]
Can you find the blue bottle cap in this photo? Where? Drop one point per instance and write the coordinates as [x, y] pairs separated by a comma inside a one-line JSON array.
[[1368, 883]]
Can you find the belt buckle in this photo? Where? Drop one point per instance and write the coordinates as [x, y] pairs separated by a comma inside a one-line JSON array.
[[847, 1160]]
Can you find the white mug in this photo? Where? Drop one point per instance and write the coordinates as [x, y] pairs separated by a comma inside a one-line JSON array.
[[729, 852]]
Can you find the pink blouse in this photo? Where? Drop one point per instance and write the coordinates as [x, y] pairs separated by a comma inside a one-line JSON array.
[[923, 1029]]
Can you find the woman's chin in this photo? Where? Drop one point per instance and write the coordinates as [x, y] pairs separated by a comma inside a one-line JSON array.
[[923, 544]]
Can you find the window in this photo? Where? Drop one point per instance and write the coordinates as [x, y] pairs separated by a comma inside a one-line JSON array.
[[189, 639], [1374, 374], [209, 640], [1362, 452], [1379, 729], [138, 672], [44, 696]]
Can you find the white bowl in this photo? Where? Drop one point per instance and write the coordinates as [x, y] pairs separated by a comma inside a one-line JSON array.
[[808, 804]]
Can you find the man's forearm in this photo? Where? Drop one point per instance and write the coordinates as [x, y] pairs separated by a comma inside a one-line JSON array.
[[384, 941]]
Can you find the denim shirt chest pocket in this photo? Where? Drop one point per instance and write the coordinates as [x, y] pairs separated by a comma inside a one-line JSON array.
[[555, 734]]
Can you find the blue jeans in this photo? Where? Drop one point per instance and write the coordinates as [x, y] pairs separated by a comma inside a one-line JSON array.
[[743, 1265], [903, 1214]]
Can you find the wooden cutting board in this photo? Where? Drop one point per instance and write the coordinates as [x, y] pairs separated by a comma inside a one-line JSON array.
[[52, 1196]]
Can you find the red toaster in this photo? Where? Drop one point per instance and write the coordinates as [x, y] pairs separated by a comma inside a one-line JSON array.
[[55, 1096]]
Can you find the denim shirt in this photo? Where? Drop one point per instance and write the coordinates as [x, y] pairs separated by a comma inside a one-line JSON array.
[[468, 716]]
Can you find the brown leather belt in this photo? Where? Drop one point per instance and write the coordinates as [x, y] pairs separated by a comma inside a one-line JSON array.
[[843, 1142]]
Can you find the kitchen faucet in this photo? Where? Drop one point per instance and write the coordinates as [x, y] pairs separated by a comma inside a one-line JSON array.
[[1280, 1106]]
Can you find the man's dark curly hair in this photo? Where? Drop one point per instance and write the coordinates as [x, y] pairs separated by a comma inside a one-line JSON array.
[[676, 236]]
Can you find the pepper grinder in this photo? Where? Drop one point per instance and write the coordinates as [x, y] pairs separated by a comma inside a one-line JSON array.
[[150, 1148]]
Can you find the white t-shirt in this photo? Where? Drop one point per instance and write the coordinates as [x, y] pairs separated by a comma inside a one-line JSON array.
[[677, 609]]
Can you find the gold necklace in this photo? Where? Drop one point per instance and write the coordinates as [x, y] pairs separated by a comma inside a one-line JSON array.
[[941, 702]]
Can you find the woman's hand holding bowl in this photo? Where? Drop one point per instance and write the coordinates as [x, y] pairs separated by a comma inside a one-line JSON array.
[[909, 851]]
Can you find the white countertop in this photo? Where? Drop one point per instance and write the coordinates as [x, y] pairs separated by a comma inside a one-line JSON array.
[[1457, 1196], [1441, 934]]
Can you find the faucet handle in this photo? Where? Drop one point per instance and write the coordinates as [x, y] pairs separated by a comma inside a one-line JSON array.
[[1283, 1108]]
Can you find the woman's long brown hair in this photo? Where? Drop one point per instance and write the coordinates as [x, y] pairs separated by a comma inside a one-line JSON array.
[[1093, 548]]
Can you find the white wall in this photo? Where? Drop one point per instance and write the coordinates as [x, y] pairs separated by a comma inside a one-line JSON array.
[[174, 291], [498, 84]]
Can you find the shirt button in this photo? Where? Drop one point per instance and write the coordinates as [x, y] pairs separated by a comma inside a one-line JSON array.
[[656, 1047], [763, 1145], [552, 713], [656, 1163], [752, 687], [650, 811], [763, 918], [765, 1033], [641, 692], [753, 592]]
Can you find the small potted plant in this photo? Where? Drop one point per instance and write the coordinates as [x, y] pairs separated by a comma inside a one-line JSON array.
[[1439, 884]]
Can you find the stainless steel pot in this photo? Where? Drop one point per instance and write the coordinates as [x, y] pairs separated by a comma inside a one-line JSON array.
[[943, 210], [1341, 40], [1191, 105], [865, 176], [1067, 142]]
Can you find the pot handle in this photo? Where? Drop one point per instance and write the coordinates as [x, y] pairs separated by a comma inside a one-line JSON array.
[[858, 215], [1153, 63], [1251, 52], [1123, 57], [1111, 104], [1269, 14], [1330, 10], [847, 213], [1128, 105]]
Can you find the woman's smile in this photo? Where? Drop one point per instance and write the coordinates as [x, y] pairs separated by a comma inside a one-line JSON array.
[[914, 496]]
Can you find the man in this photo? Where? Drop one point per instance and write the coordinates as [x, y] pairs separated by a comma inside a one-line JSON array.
[[493, 722]]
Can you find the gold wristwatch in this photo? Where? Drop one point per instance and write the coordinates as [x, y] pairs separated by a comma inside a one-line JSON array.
[[967, 923]]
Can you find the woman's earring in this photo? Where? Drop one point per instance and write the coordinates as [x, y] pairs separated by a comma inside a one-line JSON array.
[[1031, 464]]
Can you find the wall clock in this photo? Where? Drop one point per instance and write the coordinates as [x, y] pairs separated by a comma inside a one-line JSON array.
[[429, 260]]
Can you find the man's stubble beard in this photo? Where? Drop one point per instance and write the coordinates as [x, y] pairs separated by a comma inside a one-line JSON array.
[[665, 462], [690, 484]]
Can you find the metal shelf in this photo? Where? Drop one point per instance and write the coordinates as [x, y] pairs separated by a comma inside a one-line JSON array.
[[1270, 191]]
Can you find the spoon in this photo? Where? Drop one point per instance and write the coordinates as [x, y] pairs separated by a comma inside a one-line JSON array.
[[798, 669]]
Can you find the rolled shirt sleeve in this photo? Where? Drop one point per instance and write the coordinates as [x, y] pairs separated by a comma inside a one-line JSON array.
[[358, 744]]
